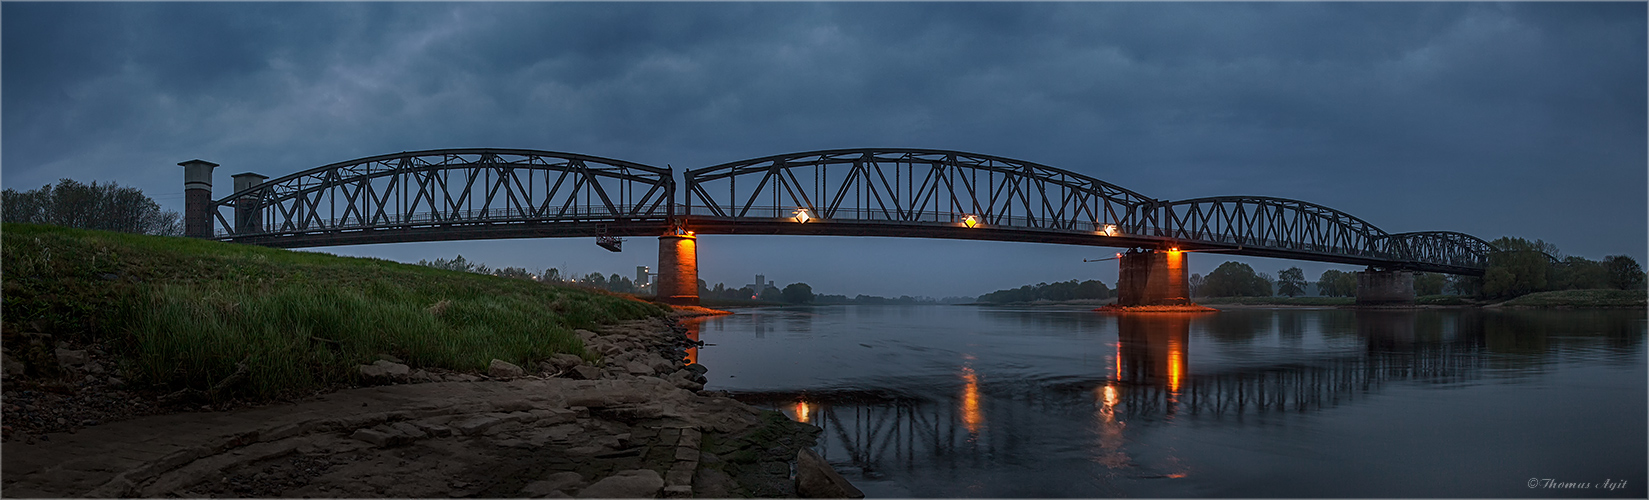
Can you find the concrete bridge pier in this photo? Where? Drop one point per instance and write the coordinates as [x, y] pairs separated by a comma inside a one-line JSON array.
[[1153, 278], [1376, 288], [197, 198], [678, 269]]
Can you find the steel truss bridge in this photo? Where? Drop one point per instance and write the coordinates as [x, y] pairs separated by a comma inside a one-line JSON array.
[[456, 194]]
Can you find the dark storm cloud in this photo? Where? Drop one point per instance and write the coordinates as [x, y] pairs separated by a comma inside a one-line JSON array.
[[1494, 119]]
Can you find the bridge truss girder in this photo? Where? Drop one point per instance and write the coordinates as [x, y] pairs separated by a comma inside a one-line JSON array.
[[929, 193], [910, 186], [453, 194]]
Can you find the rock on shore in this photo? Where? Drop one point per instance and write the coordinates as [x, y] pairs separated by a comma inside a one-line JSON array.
[[628, 425]]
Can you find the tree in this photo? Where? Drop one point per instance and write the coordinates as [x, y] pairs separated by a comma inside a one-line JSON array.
[[1519, 267], [1622, 272], [770, 294], [797, 293], [1093, 289], [106, 207], [513, 272], [1336, 283], [1470, 286], [551, 275], [1235, 279], [596, 280], [1577, 273], [1195, 282], [457, 264], [1291, 282], [1429, 284]]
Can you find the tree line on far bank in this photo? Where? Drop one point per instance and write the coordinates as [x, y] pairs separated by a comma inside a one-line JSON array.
[[794, 293], [1063, 290], [802, 293], [1520, 267]]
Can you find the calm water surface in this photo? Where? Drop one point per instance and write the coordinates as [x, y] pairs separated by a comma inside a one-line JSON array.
[[962, 401]]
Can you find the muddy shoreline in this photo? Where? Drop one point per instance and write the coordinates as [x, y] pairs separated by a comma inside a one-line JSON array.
[[635, 424]]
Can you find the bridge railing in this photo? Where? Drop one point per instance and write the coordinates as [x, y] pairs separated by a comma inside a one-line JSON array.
[[952, 218], [859, 214]]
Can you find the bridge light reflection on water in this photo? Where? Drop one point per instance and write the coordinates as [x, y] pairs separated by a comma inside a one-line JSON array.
[[972, 417], [801, 411], [1036, 402]]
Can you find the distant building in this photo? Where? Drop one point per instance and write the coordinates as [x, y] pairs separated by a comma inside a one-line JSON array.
[[643, 277], [760, 285]]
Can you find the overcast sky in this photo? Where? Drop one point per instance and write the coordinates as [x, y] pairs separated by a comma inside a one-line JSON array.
[[1491, 119]]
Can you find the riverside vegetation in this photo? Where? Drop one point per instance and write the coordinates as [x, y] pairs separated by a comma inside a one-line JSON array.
[[158, 325], [189, 314]]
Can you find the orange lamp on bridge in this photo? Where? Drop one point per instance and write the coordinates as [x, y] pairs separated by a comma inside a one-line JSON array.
[[802, 217], [970, 221]]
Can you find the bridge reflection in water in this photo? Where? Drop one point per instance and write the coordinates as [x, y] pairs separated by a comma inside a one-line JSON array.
[[1151, 378]]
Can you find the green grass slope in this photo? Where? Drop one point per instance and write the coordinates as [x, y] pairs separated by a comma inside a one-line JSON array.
[[183, 312], [1580, 298]]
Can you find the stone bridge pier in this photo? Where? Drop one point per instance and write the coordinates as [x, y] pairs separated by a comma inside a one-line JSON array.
[[1378, 288], [678, 269], [1153, 278]]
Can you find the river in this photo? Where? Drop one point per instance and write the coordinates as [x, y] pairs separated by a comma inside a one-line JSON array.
[[968, 401]]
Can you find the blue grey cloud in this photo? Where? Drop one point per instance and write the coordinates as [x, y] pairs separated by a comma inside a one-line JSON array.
[[1522, 119]]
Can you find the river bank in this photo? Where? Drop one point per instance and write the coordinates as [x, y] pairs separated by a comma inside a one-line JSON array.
[[635, 423], [1561, 299]]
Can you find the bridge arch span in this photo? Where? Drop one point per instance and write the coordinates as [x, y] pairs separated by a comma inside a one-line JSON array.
[[910, 192], [449, 194], [1264, 224], [1447, 248]]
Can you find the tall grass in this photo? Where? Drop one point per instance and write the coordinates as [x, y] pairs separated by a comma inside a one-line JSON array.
[[185, 313]]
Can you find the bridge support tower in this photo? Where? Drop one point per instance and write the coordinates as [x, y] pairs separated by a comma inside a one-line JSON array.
[[1153, 278], [248, 215], [1377, 288], [197, 198], [678, 269]]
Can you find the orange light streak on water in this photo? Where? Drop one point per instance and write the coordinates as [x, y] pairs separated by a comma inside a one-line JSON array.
[[801, 411], [971, 416], [1176, 364]]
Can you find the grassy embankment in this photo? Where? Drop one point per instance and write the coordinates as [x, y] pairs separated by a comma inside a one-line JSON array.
[[1424, 300], [1563, 298], [182, 312], [1581, 299]]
